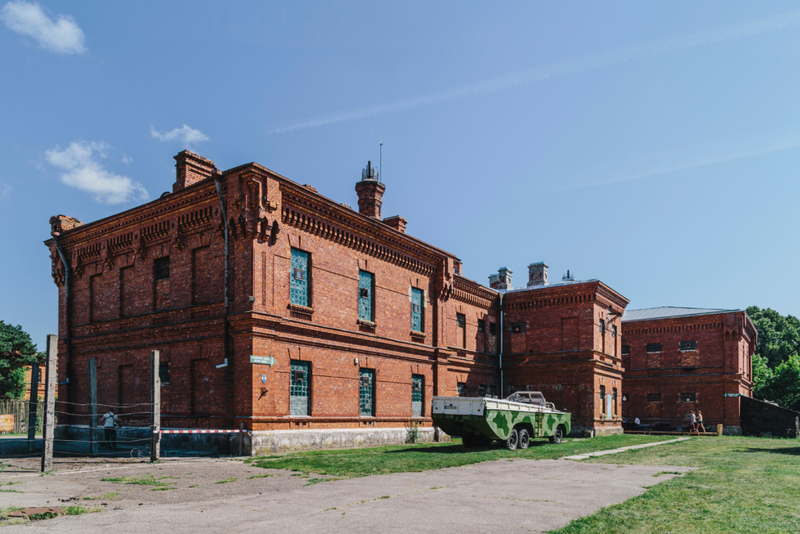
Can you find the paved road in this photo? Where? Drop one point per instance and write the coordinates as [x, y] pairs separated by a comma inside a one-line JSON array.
[[500, 496]]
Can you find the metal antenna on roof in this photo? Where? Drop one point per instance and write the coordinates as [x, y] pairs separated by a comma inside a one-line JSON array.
[[380, 164]]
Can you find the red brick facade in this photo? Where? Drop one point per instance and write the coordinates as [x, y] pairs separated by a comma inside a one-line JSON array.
[[688, 362], [126, 298], [564, 340]]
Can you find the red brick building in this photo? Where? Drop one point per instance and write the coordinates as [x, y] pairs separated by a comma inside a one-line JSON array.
[[271, 306], [564, 339], [679, 360]]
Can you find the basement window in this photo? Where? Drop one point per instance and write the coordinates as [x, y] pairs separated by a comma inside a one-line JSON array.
[[688, 397], [654, 397], [688, 346], [654, 347]]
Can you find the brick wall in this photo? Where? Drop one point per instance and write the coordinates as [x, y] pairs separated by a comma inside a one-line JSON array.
[[719, 364]]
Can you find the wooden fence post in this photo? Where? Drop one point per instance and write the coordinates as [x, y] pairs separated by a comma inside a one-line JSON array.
[[93, 407], [155, 406], [50, 381], [33, 404]]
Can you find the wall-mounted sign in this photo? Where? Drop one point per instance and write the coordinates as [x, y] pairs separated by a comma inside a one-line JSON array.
[[732, 395], [263, 360]]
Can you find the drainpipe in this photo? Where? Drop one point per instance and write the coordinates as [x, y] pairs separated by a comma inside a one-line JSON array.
[[227, 264], [67, 321], [502, 391]]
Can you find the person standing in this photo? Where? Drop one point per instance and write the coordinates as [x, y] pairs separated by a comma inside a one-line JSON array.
[[694, 423], [700, 422], [110, 423]]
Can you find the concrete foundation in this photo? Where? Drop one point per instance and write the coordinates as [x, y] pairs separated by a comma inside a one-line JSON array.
[[277, 441]]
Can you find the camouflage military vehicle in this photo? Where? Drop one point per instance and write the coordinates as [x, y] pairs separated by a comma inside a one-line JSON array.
[[523, 416]]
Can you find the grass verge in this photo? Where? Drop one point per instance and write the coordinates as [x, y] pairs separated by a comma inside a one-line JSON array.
[[350, 463], [146, 480], [743, 485]]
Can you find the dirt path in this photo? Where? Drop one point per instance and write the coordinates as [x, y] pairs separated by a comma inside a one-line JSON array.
[[486, 497]]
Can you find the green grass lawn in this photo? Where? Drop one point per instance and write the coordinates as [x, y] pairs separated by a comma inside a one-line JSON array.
[[403, 458], [743, 485]]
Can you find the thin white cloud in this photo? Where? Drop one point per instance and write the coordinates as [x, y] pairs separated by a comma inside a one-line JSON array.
[[777, 147], [185, 135], [596, 61], [5, 190], [61, 37], [83, 169]]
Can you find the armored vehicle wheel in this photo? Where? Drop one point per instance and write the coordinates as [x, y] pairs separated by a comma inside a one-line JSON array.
[[469, 441], [524, 438], [513, 440], [558, 436]]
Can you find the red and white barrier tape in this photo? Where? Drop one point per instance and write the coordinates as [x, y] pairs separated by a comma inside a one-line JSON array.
[[199, 431]]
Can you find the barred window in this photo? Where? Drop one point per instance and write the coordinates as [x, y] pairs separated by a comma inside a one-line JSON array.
[[654, 347], [366, 299], [366, 392], [626, 350], [492, 329], [688, 345], [602, 326], [461, 320], [462, 389], [417, 310], [518, 328], [688, 397], [654, 397], [300, 283]]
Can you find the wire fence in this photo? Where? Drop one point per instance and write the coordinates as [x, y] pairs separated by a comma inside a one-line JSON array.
[[116, 429]]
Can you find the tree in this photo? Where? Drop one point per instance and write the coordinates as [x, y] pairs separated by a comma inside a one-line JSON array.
[[778, 336], [16, 351]]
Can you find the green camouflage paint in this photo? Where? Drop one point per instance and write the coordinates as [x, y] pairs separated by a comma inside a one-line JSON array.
[[497, 424]]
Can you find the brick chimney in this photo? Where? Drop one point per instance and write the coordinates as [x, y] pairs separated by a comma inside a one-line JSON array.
[[501, 280], [62, 223], [537, 274], [370, 192], [397, 222], [191, 168]]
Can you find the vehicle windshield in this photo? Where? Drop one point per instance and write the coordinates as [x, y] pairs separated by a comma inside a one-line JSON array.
[[528, 397]]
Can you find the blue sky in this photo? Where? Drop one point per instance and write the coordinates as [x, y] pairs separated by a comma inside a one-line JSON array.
[[652, 146]]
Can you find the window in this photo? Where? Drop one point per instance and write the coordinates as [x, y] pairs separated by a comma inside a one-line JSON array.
[[654, 397], [602, 326], [461, 320], [482, 390], [518, 328], [602, 400], [688, 397], [417, 310], [300, 377], [163, 373], [626, 350], [462, 389], [688, 346], [299, 285], [366, 392], [625, 397], [366, 300], [654, 347], [492, 329], [161, 268], [613, 330], [481, 326], [417, 392], [614, 401]]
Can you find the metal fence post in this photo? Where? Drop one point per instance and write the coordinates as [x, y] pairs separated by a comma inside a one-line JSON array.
[[32, 407], [93, 407], [50, 382], [155, 406]]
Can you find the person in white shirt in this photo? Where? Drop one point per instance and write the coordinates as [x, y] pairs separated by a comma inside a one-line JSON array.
[[110, 422], [637, 422]]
